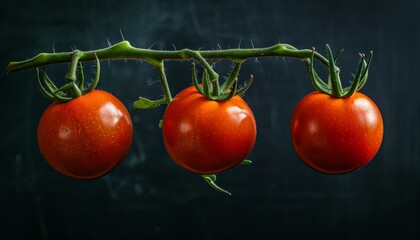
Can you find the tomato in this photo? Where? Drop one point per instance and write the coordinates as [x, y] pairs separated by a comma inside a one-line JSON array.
[[87, 137], [208, 137], [336, 135]]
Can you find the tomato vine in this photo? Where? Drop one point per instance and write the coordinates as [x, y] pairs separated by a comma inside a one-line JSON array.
[[210, 86], [124, 50]]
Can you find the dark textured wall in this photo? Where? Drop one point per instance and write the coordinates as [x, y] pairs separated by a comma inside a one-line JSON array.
[[148, 196]]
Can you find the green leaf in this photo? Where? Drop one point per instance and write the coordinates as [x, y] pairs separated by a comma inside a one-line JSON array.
[[144, 103]]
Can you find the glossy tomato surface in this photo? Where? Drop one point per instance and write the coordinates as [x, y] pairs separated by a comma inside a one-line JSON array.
[[87, 137], [208, 137], [336, 135]]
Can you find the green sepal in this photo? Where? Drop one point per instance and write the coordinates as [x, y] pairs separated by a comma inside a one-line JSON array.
[[195, 81], [233, 76], [80, 80], [76, 90], [53, 93], [144, 103], [75, 83], [246, 162], [338, 55], [211, 180], [365, 71], [50, 85], [229, 95], [318, 84], [364, 76], [349, 91], [44, 92], [97, 75], [60, 96], [207, 86], [246, 87], [336, 88]]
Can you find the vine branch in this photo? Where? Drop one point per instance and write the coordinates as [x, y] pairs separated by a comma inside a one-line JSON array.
[[123, 50]]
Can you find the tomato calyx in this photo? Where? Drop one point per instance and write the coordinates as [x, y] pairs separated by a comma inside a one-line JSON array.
[[75, 86], [211, 88], [334, 87]]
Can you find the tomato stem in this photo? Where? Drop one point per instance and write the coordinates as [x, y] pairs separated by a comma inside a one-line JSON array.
[[71, 75]]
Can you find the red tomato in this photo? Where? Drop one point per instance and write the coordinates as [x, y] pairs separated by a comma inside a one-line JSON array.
[[336, 135], [87, 137], [208, 137]]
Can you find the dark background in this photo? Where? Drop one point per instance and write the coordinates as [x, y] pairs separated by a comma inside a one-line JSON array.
[[150, 197]]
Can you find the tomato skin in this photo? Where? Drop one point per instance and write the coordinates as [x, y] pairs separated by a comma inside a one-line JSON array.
[[87, 137], [208, 137], [336, 135]]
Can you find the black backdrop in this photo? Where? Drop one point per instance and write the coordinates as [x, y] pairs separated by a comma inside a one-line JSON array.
[[148, 196]]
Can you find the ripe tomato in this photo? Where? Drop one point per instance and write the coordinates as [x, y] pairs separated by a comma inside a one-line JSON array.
[[87, 137], [336, 135], [208, 137]]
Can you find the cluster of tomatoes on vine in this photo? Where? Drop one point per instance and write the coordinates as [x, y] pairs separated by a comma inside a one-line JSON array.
[[208, 128]]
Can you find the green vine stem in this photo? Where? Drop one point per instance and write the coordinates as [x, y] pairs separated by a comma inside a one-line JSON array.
[[165, 86], [123, 50]]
